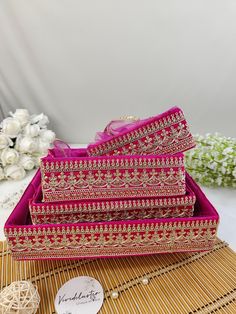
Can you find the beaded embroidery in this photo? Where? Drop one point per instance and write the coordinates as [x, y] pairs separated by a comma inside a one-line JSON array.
[[112, 178], [111, 240]]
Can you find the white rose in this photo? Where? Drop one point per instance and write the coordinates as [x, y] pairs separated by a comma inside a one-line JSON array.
[[5, 141], [26, 144], [11, 127], [22, 115], [41, 119], [47, 136], [9, 156], [15, 172], [43, 147], [27, 162], [1, 174], [37, 160], [32, 130]]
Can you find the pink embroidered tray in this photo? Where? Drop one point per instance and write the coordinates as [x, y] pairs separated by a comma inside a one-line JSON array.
[[110, 239], [108, 210], [167, 133], [110, 177]]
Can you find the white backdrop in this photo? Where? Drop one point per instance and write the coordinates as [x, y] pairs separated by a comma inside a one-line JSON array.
[[85, 62]]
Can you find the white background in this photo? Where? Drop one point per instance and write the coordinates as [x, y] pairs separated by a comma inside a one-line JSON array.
[[85, 62]]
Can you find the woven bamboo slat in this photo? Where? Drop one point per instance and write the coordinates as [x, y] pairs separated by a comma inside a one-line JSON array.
[[179, 283]]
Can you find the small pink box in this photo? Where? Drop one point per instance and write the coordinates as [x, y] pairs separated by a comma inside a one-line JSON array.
[[109, 210], [110, 239], [89, 178], [167, 133]]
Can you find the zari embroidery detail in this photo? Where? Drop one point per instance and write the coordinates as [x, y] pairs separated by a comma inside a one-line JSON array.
[[104, 206], [111, 240], [111, 216], [112, 177]]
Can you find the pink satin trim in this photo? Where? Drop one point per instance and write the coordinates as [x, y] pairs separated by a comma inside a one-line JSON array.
[[61, 149]]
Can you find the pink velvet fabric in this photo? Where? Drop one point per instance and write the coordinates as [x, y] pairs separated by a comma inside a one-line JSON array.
[[107, 177]]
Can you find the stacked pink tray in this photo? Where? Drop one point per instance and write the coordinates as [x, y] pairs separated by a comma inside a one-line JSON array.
[[127, 194], [110, 239], [108, 210], [166, 133], [82, 177]]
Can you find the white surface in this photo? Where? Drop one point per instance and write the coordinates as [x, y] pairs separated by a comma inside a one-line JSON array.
[[223, 199], [88, 62], [10, 191]]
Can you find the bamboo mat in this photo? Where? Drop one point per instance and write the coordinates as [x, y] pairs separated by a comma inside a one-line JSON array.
[[179, 283]]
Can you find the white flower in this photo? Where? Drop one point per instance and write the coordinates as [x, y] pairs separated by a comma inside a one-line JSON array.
[[22, 115], [47, 136], [37, 160], [32, 130], [5, 141], [1, 174], [9, 156], [41, 119], [42, 147], [27, 162], [227, 150], [26, 144], [234, 172], [11, 127], [15, 172], [212, 165]]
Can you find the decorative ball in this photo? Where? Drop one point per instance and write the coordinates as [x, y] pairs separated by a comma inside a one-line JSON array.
[[145, 281], [19, 297], [114, 295]]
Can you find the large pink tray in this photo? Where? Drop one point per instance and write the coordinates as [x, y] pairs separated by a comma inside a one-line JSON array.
[[166, 133], [110, 239], [106, 177]]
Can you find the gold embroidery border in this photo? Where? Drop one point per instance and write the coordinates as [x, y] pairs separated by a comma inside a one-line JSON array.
[[104, 206], [106, 227], [115, 251], [77, 217], [111, 239], [109, 163], [172, 148], [111, 193]]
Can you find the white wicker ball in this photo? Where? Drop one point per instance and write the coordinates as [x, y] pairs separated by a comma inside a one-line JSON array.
[[19, 297]]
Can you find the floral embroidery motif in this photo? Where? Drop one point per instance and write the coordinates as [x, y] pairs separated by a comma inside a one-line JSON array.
[[78, 217], [130, 209], [111, 239], [110, 177]]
